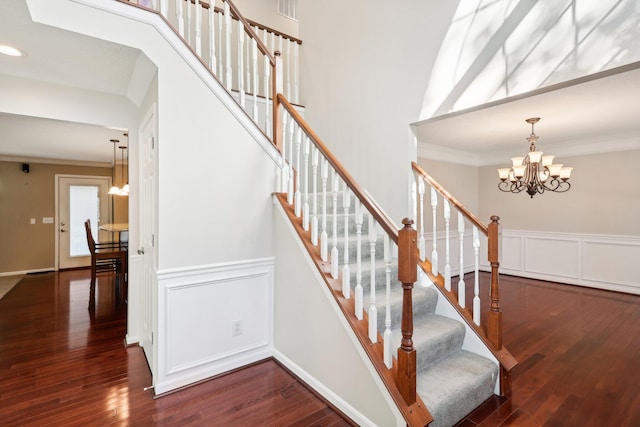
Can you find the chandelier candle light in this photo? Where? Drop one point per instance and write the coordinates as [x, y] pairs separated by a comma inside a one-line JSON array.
[[534, 173]]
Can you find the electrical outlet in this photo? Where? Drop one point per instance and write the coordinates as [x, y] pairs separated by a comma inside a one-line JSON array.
[[236, 328]]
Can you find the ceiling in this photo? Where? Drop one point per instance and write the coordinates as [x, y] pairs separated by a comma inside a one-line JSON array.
[[593, 114], [63, 58], [577, 117]]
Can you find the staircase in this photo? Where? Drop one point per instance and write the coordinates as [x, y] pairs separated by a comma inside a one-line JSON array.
[[451, 381]]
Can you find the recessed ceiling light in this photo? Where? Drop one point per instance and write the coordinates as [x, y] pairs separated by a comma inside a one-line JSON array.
[[11, 51]]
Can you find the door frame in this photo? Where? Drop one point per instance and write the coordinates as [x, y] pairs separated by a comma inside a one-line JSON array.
[[57, 208]]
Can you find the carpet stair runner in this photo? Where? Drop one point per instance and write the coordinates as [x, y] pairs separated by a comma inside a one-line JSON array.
[[451, 381]]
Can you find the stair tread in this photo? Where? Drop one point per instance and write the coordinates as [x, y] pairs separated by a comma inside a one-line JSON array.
[[464, 379], [435, 338]]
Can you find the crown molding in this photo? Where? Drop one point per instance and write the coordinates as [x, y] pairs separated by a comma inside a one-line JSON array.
[[41, 160]]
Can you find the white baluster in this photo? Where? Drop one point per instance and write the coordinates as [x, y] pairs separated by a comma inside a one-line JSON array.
[[447, 255], [388, 337], [288, 68], [180, 17], [213, 62], [164, 7], [248, 80], [324, 244], [305, 206], [297, 197], [314, 210], [267, 91], [198, 28], [290, 193], [296, 72], [334, 250], [285, 166], [227, 30], [220, 31], [359, 303], [188, 29], [254, 53], [461, 288], [373, 311], [476, 285], [421, 240], [434, 252], [241, 64], [346, 272]]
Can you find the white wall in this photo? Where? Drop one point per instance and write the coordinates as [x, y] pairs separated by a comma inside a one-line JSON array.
[[365, 66]]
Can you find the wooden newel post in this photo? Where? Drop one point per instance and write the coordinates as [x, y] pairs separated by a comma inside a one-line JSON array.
[[494, 320], [277, 87], [407, 275]]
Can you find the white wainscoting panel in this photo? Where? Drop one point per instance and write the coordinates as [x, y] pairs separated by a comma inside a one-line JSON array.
[[198, 308], [598, 261], [552, 256]]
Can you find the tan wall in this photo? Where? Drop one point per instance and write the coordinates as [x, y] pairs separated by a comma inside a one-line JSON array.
[[595, 204], [460, 180], [22, 197]]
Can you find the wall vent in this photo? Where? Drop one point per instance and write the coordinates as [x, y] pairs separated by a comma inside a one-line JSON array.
[[288, 8]]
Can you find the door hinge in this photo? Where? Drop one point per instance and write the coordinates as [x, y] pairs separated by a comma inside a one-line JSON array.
[[151, 337], [153, 143], [153, 240]]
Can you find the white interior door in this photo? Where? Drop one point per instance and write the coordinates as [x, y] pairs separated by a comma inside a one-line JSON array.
[[147, 250], [79, 198]]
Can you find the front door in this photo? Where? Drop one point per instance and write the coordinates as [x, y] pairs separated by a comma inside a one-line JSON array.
[[79, 198]]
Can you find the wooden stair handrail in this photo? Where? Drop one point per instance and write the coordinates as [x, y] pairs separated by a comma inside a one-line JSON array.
[[381, 218], [249, 30], [471, 217]]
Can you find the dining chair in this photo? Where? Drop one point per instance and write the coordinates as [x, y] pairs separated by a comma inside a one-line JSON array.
[[106, 257]]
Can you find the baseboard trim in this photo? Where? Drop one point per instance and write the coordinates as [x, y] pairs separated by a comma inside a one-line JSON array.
[[18, 273], [335, 400]]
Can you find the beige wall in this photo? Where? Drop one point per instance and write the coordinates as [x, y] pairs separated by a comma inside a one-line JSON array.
[[460, 180], [22, 197], [595, 204]]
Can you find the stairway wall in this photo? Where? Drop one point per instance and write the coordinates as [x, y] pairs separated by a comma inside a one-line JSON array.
[[312, 338]]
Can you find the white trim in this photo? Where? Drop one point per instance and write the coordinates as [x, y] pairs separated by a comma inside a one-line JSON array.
[[21, 272], [47, 161], [325, 392]]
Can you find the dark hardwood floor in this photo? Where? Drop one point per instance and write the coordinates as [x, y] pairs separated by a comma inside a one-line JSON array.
[[579, 356], [61, 364], [64, 365]]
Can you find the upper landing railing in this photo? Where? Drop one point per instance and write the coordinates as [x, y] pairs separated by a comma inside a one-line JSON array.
[[240, 53]]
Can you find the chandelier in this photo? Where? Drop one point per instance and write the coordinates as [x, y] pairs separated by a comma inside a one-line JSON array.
[[534, 173], [115, 190]]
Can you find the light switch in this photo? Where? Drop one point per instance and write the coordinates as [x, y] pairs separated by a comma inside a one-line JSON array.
[[47, 220], [33, 220]]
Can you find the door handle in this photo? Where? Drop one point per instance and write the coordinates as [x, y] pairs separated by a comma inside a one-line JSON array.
[[141, 251], [62, 224], [62, 230]]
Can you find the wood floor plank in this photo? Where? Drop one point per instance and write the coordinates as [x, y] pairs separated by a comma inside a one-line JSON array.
[[63, 364]]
